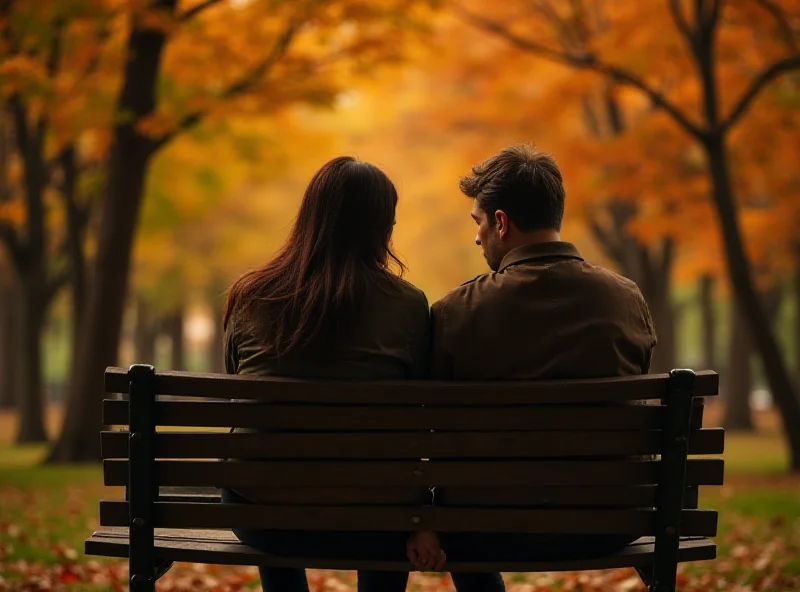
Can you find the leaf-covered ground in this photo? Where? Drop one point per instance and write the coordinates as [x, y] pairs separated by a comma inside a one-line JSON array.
[[45, 513]]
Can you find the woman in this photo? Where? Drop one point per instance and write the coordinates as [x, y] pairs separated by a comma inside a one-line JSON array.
[[329, 306]]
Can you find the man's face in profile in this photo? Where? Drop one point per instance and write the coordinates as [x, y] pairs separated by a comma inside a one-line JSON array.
[[487, 237]]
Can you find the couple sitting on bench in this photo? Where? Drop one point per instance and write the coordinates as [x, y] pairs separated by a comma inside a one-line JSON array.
[[330, 306]]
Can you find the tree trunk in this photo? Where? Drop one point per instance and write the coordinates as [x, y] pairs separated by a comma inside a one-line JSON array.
[[708, 321], [778, 378], [650, 266], [216, 346], [144, 334], [76, 223], [10, 332], [174, 327], [31, 409], [127, 167], [797, 316], [738, 379], [663, 314], [31, 268], [655, 266]]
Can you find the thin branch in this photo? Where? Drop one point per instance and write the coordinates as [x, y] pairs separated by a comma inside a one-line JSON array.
[[680, 21], [53, 61], [710, 17], [766, 76], [589, 62], [779, 15], [192, 12], [237, 88], [612, 247]]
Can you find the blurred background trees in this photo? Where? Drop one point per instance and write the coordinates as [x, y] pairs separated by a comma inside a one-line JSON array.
[[152, 150]]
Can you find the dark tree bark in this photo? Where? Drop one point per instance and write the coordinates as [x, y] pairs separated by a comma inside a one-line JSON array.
[[27, 249], [739, 376], [216, 351], [127, 166], [144, 334], [708, 321], [647, 264], [31, 403], [650, 266], [778, 378], [173, 326], [10, 330], [738, 379], [663, 313], [797, 316], [77, 219], [31, 269]]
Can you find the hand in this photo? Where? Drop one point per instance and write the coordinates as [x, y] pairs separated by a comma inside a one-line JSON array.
[[425, 552]]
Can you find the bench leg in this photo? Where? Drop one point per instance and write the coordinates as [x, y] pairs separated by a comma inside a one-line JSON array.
[[162, 567], [648, 579], [672, 482], [646, 574], [142, 491]]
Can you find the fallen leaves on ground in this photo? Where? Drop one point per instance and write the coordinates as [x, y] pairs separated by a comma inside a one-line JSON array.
[[42, 530]]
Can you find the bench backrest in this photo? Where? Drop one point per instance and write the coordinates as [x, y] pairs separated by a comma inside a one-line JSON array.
[[534, 457]]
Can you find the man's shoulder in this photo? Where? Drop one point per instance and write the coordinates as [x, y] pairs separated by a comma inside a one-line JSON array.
[[612, 279], [467, 292]]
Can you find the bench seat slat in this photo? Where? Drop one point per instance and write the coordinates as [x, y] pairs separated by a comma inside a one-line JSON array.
[[226, 414], [636, 496], [408, 518], [221, 547], [562, 392], [411, 474], [410, 446]]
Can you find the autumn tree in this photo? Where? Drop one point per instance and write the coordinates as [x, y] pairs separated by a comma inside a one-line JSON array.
[[48, 58], [185, 64], [705, 40]]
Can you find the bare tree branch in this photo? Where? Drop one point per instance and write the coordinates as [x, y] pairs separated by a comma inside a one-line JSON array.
[[192, 12], [53, 62], [610, 245], [238, 87], [766, 76], [710, 15], [588, 62], [680, 21], [787, 32]]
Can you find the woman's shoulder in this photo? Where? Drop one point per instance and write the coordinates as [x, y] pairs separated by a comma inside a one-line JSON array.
[[406, 292]]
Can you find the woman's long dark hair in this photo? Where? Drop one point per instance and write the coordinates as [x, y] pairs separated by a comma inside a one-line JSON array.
[[338, 248]]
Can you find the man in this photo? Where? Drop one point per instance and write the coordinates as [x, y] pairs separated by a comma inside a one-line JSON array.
[[543, 312]]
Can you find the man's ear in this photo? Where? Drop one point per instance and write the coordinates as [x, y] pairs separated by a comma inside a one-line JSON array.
[[503, 223]]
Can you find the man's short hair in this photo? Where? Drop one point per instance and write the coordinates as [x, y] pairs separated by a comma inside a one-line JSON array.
[[523, 182]]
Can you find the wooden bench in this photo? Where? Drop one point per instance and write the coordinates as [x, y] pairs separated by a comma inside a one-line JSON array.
[[511, 457]]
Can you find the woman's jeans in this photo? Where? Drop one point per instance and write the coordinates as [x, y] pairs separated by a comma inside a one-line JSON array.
[[314, 544]]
